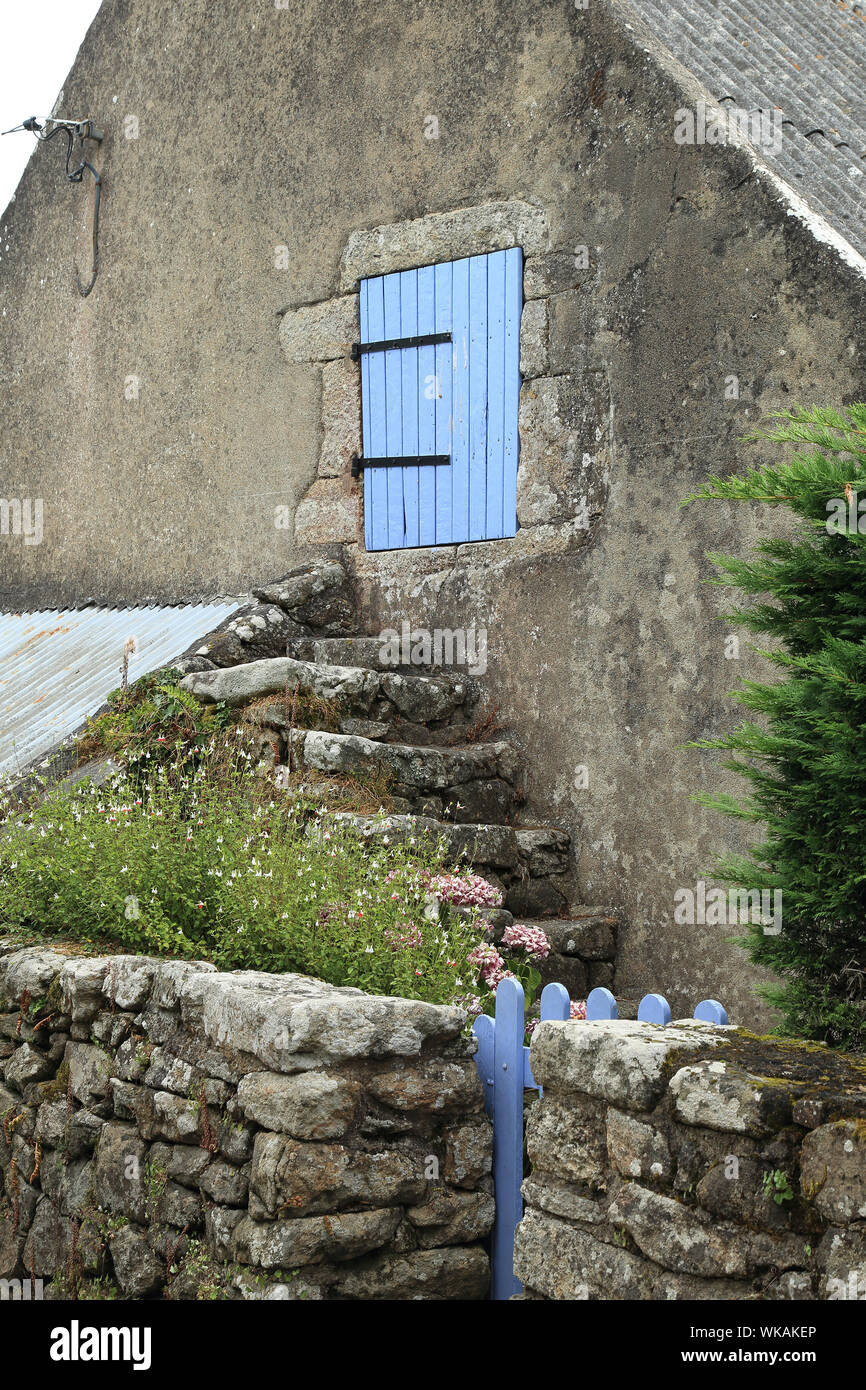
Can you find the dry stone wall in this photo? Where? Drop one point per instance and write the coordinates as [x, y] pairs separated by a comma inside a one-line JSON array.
[[692, 1162], [170, 1131]]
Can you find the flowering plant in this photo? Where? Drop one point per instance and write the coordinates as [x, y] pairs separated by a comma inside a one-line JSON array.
[[190, 851], [464, 890]]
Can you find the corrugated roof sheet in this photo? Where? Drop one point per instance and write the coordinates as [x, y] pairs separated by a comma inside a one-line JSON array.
[[807, 57], [56, 668]]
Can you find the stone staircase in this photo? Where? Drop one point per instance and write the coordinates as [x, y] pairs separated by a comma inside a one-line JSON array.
[[335, 705]]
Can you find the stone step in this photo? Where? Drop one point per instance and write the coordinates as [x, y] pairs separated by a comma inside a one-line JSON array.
[[377, 654], [527, 863], [376, 704], [475, 782], [368, 652], [313, 600], [589, 932]]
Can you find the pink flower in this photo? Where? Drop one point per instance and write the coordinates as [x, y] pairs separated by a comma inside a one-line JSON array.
[[487, 961], [532, 940], [578, 1008], [465, 890]]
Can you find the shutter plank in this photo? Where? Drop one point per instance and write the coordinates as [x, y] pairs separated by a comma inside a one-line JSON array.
[[427, 406], [495, 394], [446, 370], [461, 403], [476, 520], [365, 415], [394, 413], [376, 442], [410, 387], [511, 442]]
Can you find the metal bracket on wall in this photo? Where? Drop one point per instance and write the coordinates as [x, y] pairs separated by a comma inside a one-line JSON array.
[[397, 461], [389, 344]]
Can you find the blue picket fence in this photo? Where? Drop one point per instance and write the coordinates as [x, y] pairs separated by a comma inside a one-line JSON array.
[[502, 1060]]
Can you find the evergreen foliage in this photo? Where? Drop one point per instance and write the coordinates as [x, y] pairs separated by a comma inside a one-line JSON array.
[[805, 757]]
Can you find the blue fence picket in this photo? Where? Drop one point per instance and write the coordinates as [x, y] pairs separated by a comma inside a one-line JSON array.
[[555, 1004], [483, 1029], [507, 1134], [503, 1066], [600, 1004], [654, 1008], [711, 1011]]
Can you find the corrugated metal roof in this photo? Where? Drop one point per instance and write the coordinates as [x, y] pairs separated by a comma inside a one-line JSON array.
[[56, 668], [807, 57]]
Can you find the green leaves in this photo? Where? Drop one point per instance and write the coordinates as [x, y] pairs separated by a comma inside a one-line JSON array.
[[154, 714], [805, 484], [777, 1184]]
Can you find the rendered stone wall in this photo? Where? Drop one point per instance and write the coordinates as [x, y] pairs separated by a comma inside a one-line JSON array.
[[170, 1131], [658, 1155]]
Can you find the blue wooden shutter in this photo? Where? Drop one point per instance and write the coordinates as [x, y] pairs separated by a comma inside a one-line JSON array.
[[458, 398]]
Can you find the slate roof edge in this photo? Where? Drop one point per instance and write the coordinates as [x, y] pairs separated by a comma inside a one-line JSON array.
[[632, 28], [814, 222]]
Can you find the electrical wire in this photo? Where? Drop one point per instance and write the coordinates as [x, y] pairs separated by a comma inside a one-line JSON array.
[[76, 175]]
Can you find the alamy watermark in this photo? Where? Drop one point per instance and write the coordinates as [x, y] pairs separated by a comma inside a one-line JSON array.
[[846, 514], [22, 516], [21, 1290], [77, 1343], [853, 1287], [703, 125], [441, 646], [732, 907]]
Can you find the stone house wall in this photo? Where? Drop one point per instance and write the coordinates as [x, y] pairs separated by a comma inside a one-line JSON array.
[[207, 452], [170, 1131], [692, 1162]]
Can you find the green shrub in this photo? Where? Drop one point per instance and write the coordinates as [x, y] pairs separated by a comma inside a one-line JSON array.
[[192, 851], [805, 762], [189, 861]]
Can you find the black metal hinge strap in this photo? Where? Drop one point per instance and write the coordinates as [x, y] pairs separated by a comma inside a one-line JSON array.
[[387, 344], [397, 461]]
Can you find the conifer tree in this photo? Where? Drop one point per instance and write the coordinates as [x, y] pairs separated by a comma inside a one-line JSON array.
[[804, 757]]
